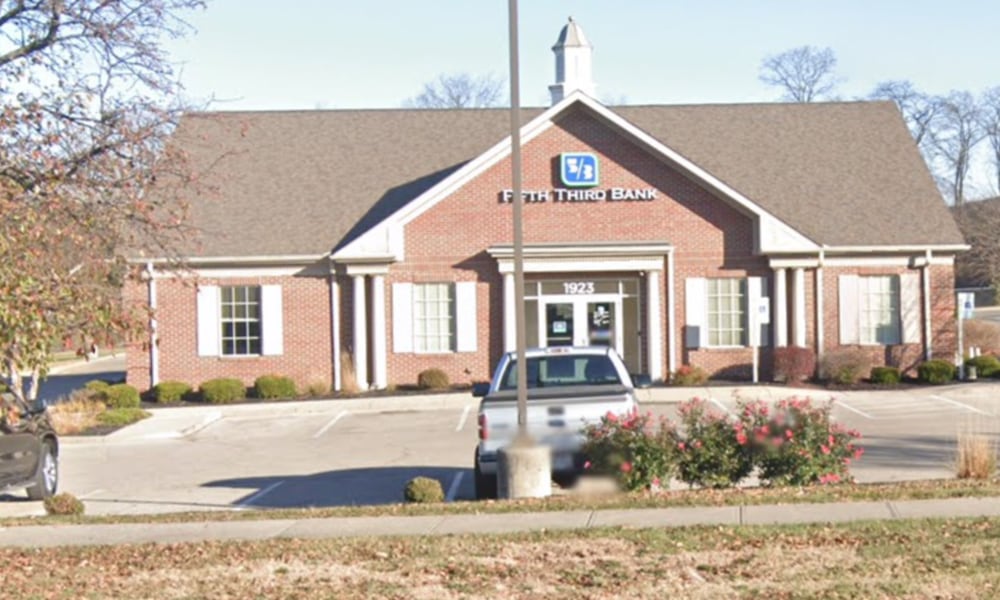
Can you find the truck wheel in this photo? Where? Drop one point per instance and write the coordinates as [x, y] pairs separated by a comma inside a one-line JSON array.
[[486, 485], [47, 478]]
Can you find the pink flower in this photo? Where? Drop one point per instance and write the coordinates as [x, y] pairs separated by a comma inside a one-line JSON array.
[[788, 434], [858, 453], [696, 444], [741, 439], [776, 441], [626, 467], [587, 465], [824, 449], [681, 446], [829, 478]]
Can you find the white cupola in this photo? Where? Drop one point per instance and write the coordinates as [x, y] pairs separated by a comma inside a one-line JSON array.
[[573, 63]]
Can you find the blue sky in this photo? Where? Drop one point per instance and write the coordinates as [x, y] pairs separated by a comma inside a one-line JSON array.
[[304, 54]]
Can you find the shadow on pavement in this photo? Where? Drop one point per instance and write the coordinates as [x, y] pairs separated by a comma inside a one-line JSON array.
[[378, 485], [59, 386], [918, 454]]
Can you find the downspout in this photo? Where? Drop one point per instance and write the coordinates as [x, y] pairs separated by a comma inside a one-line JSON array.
[[335, 327], [819, 306], [154, 350], [928, 347]]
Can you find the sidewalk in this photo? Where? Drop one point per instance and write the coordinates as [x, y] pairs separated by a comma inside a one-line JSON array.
[[39, 536]]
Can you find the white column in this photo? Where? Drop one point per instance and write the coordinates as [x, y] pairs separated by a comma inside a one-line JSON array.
[[335, 330], [154, 350], [819, 308], [379, 368], [654, 329], [799, 307], [780, 309], [360, 333], [509, 304], [671, 317]]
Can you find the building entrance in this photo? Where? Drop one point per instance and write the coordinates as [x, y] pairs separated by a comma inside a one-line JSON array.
[[574, 321]]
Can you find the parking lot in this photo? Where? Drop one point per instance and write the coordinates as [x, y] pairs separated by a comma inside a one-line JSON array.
[[322, 454]]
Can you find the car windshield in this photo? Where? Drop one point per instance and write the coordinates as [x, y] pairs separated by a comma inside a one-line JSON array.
[[555, 371]]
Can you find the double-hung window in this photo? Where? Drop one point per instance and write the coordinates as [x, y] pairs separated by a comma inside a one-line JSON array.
[[879, 309], [240, 320], [434, 317], [726, 312]]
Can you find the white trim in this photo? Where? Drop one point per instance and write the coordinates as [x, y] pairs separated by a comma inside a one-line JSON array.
[[301, 259], [696, 309], [848, 309], [242, 272], [271, 316], [556, 258], [590, 265], [379, 334], [654, 332], [900, 248], [208, 325], [859, 261], [772, 235], [780, 321], [819, 307], [799, 307], [402, 318], [367, 269], [335, 331], [360, 332], [671, 281], [509, 324]]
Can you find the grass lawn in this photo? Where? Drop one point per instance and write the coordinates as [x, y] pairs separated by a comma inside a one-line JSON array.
[[956, 558]]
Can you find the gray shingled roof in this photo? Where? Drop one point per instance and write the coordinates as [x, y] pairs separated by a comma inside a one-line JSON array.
[[302, 183]]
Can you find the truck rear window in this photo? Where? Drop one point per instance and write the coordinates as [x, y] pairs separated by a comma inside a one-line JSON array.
[[554, 371]]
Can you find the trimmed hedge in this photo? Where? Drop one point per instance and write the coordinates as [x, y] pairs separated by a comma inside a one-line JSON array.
[[423, 490], [121, 395], [936, 371], [845, 366], [986, 365], [792, 363], [274, 386], [885, 375], [432, 379], [97, 388], [223, 390], [63, 504], [170, 392]]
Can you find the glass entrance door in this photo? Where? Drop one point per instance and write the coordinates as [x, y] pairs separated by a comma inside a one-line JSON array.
[[581, 321]]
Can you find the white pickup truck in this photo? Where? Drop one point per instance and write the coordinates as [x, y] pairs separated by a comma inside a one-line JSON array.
[[568, 388]]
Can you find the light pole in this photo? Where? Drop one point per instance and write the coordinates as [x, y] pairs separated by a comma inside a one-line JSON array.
[[523, 468]]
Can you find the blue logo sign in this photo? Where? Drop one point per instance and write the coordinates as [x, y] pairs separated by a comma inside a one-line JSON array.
[[578, 169]]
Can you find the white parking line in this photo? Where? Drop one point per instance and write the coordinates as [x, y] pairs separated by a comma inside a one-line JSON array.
[[961, 405], [90, 493], [453, 488], [259, 494], [465, 415], [853, 410], [330, 424], [722, 406]]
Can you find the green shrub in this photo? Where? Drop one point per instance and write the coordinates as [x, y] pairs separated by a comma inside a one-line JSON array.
[[986, 365], [120, 417], [792, 364], [274, 386], [688, 375], [709, 453], [629, 448], [423, 490], [3, 387], [796, 443], [63, 504], [223, 390], [121, 395], [170, 392], [432, 379], [318, 389], [885, 375], [845, 366], [936, 371], [98, 389]]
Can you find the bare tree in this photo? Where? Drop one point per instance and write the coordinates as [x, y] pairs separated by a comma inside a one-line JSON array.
[[460, 91], [979, 222], [991, 127], [958, 130], [88, 99], [805, 74], [918, 108]]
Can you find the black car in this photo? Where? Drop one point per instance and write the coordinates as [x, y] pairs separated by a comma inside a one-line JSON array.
[[29, 448]]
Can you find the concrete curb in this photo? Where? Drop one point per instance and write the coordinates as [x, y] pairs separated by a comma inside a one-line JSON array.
[[39, 536]]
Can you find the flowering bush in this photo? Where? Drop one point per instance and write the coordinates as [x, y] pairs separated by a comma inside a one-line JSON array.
[[796, 443], [630, 448], [710, 452]]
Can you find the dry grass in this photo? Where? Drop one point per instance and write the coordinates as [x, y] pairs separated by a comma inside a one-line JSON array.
[[983, 335], [958, 558], [348, 377], [78, 413], [976, 457]]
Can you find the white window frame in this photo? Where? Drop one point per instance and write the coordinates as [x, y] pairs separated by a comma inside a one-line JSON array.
[[443, 310], [879, 300], [713, 323], [250, 306]]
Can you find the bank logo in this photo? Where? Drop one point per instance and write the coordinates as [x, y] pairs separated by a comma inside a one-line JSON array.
[[578, 169]]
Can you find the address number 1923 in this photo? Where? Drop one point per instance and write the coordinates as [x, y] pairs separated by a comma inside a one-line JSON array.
[[578, 287]]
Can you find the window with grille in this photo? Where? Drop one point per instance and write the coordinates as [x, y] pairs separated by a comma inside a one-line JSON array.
[[240, 320], [879, 299], [433, 317], [726, 314]]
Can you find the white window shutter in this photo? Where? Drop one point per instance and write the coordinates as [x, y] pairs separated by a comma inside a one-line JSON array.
[[209, 328], [271, 316], [466, 329], [909, 307], [696, 312], [402, 317], [849, 309]]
